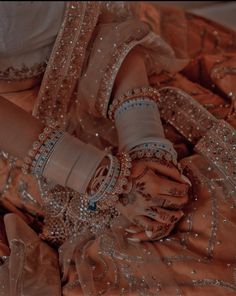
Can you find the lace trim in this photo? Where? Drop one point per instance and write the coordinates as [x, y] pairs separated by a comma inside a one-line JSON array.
[[210, 282], [184, 113], [214, 139], [25, 72], [66, 61], [219, 146], [112, 68]]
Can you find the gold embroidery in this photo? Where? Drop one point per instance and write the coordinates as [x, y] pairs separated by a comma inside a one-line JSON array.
[[219, 146], [184, 113], [66, 61], [112, 68]]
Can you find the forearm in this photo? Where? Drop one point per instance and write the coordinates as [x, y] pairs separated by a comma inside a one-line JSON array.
[[18, 129], [64, 161], [134, 104], [132, 74]]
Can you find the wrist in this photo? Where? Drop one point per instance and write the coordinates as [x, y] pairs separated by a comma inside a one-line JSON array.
[[63, 159], [136, 117]]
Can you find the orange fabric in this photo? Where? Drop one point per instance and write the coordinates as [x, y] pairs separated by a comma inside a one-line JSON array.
[[198, 258]]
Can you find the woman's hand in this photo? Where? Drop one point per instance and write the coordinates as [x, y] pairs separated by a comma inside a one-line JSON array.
[[158, 194]]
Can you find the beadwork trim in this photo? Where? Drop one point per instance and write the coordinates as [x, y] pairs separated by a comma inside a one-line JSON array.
[[184, 113], [30, 158], [148, 92], [140, 102], [44, 153], [25, 72], [211, 136], [154, 150], [219, 146], [111, 70], [66, 61]]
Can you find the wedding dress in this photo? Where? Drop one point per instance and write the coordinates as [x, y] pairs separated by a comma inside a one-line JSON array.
[[191, 61]]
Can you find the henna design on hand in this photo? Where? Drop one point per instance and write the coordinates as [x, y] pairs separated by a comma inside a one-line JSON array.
[[165, 215], [161, 232], [127, 199]]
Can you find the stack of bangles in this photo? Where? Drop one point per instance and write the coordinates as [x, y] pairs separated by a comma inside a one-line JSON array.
[[144, 99], [109, 182], [110, 179], [103, 180]]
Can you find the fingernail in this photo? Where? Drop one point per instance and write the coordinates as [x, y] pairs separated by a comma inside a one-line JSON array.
[[186, 180], [148, 233], [134, 239], [131, 230]]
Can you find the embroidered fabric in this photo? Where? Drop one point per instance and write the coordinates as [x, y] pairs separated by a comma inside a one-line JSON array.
[[25, 55], [189, 261], [54, 97], [185, 114]]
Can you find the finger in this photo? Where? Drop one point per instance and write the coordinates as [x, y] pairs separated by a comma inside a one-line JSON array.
[[164, 168], [145, 223], [162, 232], [139, 237], [162, 215], [168, 170], [158, 232], [130, 205], [167, 201], [133, 229], [154, 184]]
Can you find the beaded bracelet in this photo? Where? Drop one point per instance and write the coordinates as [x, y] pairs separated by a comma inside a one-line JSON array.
[[150, 92], [154, 150], [45, 151], [29, 160], [132, 103]]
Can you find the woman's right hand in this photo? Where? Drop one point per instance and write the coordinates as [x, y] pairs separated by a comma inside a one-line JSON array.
[[153, 206]]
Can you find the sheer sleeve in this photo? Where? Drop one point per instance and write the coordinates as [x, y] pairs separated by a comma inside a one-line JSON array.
[[120, 30]]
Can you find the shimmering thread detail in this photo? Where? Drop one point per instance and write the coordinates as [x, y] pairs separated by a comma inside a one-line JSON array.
[[210, 282], [133, 95], [109, 247], [26, 197], [219, 145], [10, 173], [141, 103], [24, 72], [212, 184], [161, 149], [111, 70], [66, 214], [184, 113], [33, 161], [18, 249], [66, 61]]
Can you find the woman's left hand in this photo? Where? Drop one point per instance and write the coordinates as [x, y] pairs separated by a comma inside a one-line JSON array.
[[153, 206]]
